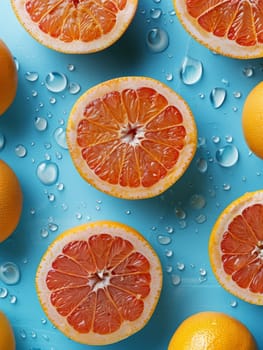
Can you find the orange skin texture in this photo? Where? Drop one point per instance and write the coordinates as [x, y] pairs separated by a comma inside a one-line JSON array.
[[252, 120], [7, 339], [8, 78], [10, 201]]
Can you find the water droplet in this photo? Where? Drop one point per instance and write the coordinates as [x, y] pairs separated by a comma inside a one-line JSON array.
[[13, 299], [227, 156], [22, 334], [43, 321], [53, 227], [34, 93], [56, 82], [234, 303], [229, 138], [169, 268], [71, 67], [202, 272], [197, 201], [156, 13], [164, 240], [248, 72], [20, 151], [200, 219], [169, 76], [217, 97], [52, 100], [44, 233], [51, 197], [201, 142], [237, 94], [3, 292], [201, 164], [31, 76], [9, 273], [157, 40], [33, 334], [169, 253], [17, 63], [78, 216], [74, 88], [128, 212], [176, 280], [60, 137], [216, 139], [201, 95], [180, 266], [169, 229], [226, 187], [180, 213], [191, 71], [60, 186], [47, 172], [40, 123], [2, 141]]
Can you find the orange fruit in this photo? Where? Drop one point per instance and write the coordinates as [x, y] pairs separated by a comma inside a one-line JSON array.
[[212, 330], [75, 26], [8, 78], [7, 338], [230, 28], [236, 248], [131, 137], [11, 199], [252, 120], [99, 282]]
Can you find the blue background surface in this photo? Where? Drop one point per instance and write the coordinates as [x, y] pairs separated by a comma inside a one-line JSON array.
[[79, 202]]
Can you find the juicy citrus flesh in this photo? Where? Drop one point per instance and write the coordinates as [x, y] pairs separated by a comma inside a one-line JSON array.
[[7, 338], [231, 28], [236, 248], [212, 330], [11, 199], [131, 137], [8, 78], [75, 26], [100, 282], [252, 120]]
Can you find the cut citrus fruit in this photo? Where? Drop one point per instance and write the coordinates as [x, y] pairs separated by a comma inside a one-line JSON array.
[[131, 137], [11, 201], [252, 121], [229, 27], [8, 78], [212, 330], [99, 282], [236, 248], [75, 26]]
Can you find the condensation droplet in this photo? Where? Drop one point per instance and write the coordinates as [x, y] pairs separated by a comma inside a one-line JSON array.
[[234, 303], [227, 156], [47, 172], [51, 197], [40, 123], [56, 82], [74, 88], [3, 292], [44, 233], [200, 219], [248, 72], [22, 334], [9, 273], [169, 229], [216, 139], [237, 94], [31, 76], [202, 272], [191, 71], [71, 67], [226, 187], [52, 100], [164, 240], [12, 299], [169, 268], [197, 201], [60, 186], [201, 164], [176, 280], [169, 253], [155, 13], [60, 137], [180, 266], [53, 227], [180, 213], [157, 40], [217, 97], [20, 151], [2, 141]]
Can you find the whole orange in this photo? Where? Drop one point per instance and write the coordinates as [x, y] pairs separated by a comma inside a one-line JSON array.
[[8, 78], [11, 199], [7, 339]]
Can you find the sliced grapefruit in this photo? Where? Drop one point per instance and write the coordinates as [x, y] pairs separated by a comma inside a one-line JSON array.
[[75, 26], [229, 27], [236, 248], [99, 282], [131, 137]]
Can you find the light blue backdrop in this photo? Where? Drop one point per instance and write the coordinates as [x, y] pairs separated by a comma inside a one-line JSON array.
[[189, 285]]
